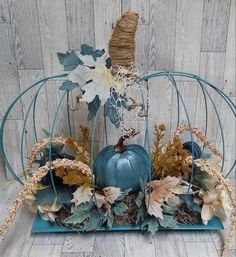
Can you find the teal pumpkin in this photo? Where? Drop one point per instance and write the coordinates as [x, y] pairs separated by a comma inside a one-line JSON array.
[[123, 166]]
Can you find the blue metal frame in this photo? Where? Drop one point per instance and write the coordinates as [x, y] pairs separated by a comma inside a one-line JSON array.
[[43, 226], [170, 75]]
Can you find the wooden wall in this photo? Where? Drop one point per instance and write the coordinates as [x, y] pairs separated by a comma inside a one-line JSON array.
[[196, 36]]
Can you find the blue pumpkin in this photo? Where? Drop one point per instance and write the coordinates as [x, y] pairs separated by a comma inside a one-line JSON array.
[[195, 151], [123, 166]]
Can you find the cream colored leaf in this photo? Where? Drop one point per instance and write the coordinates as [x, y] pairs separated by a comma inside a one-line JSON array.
[[206, 213], [111, 193], [47, 212], [82, 195], [154, 208], [86, 59], [99, 199], [173, 200], [162, 189]]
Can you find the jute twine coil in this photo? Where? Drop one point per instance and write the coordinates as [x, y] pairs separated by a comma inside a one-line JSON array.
[[122, 43]]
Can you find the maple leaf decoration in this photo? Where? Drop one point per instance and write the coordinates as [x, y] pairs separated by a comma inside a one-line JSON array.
[[161, 193], [215, 203], [106, 196]]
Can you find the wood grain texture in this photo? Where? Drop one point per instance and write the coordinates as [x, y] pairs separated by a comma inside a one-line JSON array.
[[27, 78], [52, 19], [9, 82], [54, 96], [11, 143], [160, 110], [26, 34], [197, 236], [188, 35], [140, 6], [19, 239], [210, 66], [199, 249], [80, 23], [139, 245], [4, 11], [141, 54], [170, 244], [230, 57], [45, 251], [215, 25], [188, 92], [162, 34], [49, 239], [107, 245], [75, 242], [106, 15]]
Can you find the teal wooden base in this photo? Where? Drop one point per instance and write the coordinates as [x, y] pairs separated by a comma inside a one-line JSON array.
[[42, 226]]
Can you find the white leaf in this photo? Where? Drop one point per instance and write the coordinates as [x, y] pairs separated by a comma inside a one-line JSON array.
[[86, 59], [82, 195], [111, 193], [206, 213], [81, 75]]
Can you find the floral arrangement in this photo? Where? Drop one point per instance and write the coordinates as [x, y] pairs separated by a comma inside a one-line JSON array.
[[176, 183]]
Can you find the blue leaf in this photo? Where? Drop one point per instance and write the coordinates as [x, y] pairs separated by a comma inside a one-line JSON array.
[[68, 85], [108, 63], [88, 50], [111, 112], [93, 107], [69, 60], [47, 195], [191, 205]]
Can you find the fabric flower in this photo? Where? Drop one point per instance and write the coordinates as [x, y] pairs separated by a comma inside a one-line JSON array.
[[95, 79], [161, 194], [215, 203], [106, 197], [30, 197], [47, 211]]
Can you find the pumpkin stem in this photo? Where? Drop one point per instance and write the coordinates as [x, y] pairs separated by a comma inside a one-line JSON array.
[[120, 147]]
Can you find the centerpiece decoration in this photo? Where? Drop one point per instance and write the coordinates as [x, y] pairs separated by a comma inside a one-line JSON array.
[[158, 185]]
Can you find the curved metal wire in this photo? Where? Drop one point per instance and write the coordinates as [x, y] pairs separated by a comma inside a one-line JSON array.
[[50, 149], [33, 101], [227, 100], [169, 74], [2, 148]]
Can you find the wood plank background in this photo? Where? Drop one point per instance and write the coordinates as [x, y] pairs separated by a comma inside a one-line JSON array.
[[196, 36]]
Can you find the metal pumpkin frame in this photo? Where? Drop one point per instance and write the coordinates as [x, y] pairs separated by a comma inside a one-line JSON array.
[[45, 226]]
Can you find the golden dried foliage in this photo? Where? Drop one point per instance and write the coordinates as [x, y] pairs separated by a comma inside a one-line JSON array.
[[199, 135], [37, 175], [81, 153], [73, 177], [170, 159]]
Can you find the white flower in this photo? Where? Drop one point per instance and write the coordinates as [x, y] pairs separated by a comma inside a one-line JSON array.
[[215, 203], [82, 195], [95, 79], [47, 211]]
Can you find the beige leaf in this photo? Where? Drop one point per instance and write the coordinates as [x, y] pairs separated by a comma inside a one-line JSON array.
[[47, 212], [206, 214], [154, 208], [111, 193], [99, 199], [82, 195], [173, 200], [162, 189]]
